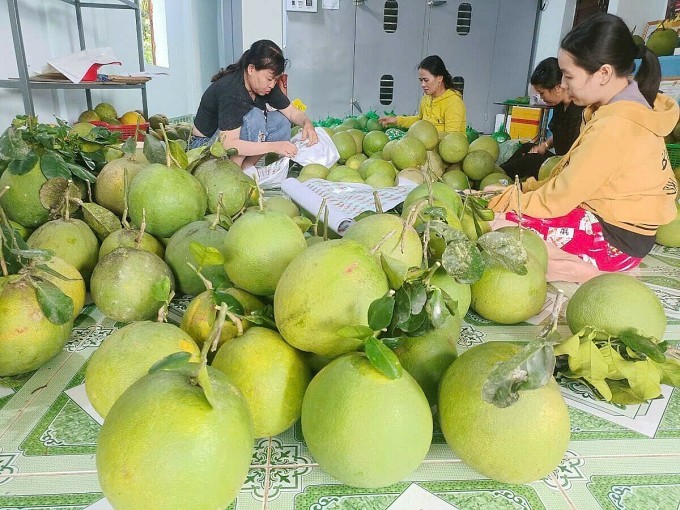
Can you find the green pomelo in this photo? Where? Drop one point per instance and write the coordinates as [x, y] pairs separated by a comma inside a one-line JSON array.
[[478, 164], [358, 136], [488, 144], [226, 177], [178, 255], [374, 141], [427, 357], [28, 339], [106, 111], [199, 318], [283, 205], [314, 170], [412, 174], [663, 41], [434, 166], [517, 444], [352, 123], [372, 166], [258, 248], [127, 354], [345, 144], [272, 376], [505, 297], [128, 238], [109, 189], [453, 147], [669, 234], [328, 287], [404, 243], [71, 240], [355, 161], [468, 226], [386, 151], [440, 191], [21, 202], [363, 428], [459, 292], [171, 198], [532, 242], [380, 181], [88, 116], [122, 283], [373, 125], [408, 152], [616, 302], [495, 178], [547, 167], [70, 283], [426, 132], [343, 174], [23, 232], [163, 420], [456, 179]]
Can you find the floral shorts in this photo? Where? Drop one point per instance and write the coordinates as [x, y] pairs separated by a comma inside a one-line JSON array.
[[580, 234]]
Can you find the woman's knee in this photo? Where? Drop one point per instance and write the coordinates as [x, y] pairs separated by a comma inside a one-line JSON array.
[[278, 127], [254, 127]]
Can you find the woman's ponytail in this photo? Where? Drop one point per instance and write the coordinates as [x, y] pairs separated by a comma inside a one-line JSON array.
[[648, 76]]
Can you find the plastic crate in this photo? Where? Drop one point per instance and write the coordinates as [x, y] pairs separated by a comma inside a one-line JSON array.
[[674, 154], [125, 130]]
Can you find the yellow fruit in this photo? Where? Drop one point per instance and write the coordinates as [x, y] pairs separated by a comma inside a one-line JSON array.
[[258, 248], [517, 444], [272, 376], [508, 298], [283, 205], [459, 292], [127, 238], [616, 302], [345, 144], [199, 318], [425, 131], [21, 202], [126, 356], [28, 339], [362, 428], [226, 177], [165, 420], [532, 242], [106, 111], [132, 118], [73, 286], [329, 286], [108, 190], [440, 191], [404, 245]]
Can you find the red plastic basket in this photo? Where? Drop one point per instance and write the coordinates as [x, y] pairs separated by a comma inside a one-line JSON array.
[[125, 130]]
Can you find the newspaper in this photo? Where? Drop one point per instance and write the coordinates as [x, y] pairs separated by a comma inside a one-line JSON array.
[[345, 201], [76, 65]]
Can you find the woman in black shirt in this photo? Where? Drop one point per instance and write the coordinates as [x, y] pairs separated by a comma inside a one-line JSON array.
[[247, 109], [565, 124]]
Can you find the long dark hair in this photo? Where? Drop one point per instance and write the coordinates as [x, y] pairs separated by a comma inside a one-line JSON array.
[[547, 74], [605, 39], [263, 54], [436, 67]]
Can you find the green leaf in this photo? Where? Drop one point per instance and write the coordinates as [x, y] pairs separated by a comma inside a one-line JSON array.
[[644, 378], [33, 253], [203, 379], [12, 145], [670, 372], [161, 289], [178, 153], [437, 308], [383, 359], [47, 269], [81, 173], [589, 364], [380, 313], [568, 346], [434, 212], [53, 191], [462, 261], [57, 306], [402, 307], [217, 149], [220, 281], [614, 360], [223, 296], [395, 269], [448, 233], [102, 221], [303, 223], [53, 165], [622, 394], [418, 294], [393, 342], [171, 362], [415, 323], [359, 332], [129, 147], [27, 164], [154, 150], [642, 345], [529, 369], [205, 255], [263, 318], [505, 250]]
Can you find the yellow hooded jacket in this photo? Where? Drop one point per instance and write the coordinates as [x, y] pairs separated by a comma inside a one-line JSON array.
[[446, 112], [618, 168]]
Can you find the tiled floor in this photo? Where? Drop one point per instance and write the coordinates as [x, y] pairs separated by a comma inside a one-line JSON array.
[[618, 458]]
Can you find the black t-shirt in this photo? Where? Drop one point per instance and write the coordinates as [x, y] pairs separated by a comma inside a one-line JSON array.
[[226, 101], [565, 126]]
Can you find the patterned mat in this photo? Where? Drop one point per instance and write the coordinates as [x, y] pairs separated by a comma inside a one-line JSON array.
[[620, 457]]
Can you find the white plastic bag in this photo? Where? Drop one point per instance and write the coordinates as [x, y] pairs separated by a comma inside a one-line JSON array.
[[270, 176], [323, 152]]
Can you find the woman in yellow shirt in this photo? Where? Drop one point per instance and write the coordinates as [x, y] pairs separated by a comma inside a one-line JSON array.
[[441, 105]]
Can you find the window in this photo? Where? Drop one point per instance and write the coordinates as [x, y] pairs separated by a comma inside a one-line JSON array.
[[386, 89], [464, 19], [154, 32], [459, 84], [390, 16]]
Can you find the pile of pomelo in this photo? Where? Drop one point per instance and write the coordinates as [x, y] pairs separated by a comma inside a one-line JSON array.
[[284, 324]]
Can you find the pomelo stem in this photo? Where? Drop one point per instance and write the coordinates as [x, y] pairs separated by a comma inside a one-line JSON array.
[[519, 203], [318, 217], [426, 242], [142, 228], [378, 204], [126, 183], [4, 190], [67, 209], [260, 198], [218, 211], [215, 333], [431, 272], [325, 223], [551, 328], [380, 243], [207, 283]]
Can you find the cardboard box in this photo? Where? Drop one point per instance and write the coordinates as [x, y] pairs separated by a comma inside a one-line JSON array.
[[525, 122]]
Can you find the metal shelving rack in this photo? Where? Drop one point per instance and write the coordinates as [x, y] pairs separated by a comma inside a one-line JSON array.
[[26, 86]]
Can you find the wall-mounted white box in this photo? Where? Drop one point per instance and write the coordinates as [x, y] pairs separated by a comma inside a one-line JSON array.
[[301, 5]]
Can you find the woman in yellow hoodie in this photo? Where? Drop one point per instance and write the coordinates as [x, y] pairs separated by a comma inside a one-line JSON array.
[[606, 198], [441, 105]]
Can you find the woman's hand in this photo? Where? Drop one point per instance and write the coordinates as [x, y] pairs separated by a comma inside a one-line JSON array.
[[285, 149], [387, 121], [309, 133]]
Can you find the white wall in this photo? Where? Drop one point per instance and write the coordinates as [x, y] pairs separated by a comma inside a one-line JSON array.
[[262, 19], [553, 24], [636, 13], [49, 30]]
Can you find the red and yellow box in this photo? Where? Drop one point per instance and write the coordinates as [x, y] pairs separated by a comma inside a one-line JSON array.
[[525, 122]]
